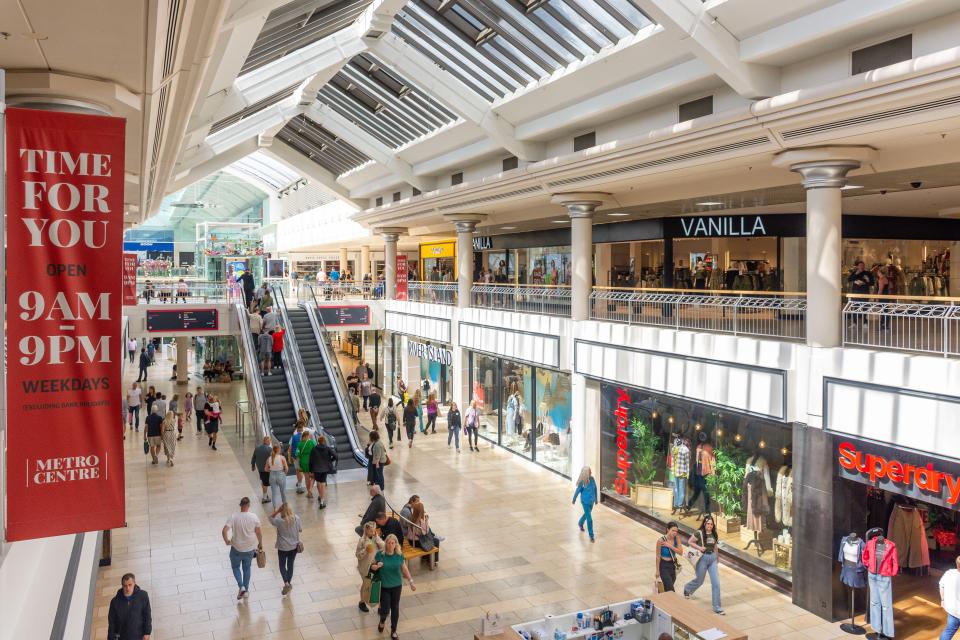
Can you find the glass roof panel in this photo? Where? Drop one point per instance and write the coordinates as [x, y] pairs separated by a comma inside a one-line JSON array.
[[267, 170], [321, 146]]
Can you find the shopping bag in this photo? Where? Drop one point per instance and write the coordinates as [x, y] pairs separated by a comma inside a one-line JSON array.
[[693, 556], [261, 559], [374, 591], [658, 585], [365, 590], [146, 447], [491, 624]]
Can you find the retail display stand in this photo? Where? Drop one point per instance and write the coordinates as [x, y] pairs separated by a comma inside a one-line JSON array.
[[681, 618], [852, 627]]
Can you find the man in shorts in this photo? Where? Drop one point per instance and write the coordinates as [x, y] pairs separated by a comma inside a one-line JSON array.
[[257, 463]]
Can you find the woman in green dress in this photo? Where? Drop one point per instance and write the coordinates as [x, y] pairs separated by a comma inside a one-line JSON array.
[[392, 569]]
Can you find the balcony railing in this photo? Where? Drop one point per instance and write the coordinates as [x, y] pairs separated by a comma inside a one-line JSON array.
[[903, 323], [433, 292], [194, 292], [765, 314], [552, 300]]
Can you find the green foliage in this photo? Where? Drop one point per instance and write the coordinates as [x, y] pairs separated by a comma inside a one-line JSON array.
[[726, 483], [647, 457]]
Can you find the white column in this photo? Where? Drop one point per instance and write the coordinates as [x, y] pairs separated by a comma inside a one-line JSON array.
[[344, 260], [364, 267], [183, 361], [580, 208], [390, 237], [824, 172], [465, 224]]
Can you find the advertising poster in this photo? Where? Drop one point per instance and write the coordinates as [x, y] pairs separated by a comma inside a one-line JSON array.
[[129, 278], [64, 244], [402, 276]]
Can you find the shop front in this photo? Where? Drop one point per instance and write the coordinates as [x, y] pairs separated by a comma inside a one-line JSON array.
[[524, 408], [665, 459], [428, 367], [438, 262]]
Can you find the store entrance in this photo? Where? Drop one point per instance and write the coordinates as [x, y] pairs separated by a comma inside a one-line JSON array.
[[926, 539]]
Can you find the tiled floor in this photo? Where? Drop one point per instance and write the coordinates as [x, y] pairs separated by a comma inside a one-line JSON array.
[[512, 547]]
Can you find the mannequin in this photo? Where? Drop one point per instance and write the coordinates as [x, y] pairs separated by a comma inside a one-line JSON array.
[[881, 561], [704, 461], [783, 497], [756, 498], [680, 465], [853, 574]]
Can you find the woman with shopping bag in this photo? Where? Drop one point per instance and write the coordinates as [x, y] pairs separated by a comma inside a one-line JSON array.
[[392, 569], [367, 547]]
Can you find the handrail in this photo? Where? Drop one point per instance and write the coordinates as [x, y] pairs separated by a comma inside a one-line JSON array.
[[252, 373], [711, 292], [334, 374], [886, 297]]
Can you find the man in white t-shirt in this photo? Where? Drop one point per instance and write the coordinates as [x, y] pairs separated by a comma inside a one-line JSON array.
[[132, 349], [242, 534], [950, 600], [134, 401]]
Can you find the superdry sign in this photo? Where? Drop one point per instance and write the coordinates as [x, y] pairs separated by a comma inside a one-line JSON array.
[[895, 471], [620, 484], [64, 237]]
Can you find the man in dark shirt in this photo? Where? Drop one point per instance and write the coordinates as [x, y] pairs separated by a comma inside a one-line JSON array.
[[144, 363], [377, 505], [860, 281], [387, 525], [154, 432], [129, 617]]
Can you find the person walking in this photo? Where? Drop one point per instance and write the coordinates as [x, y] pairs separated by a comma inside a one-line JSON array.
[[151, 353], [278, 334], [587, 491], [212, 415], [322, 463], [188, 410], [258, 463], [199, 402], [950, 600], [374, 408], [393, 570], [454, 424], [378, 458], [161, 401], [255, 321], [705, 540], [149, 398], [366, 388], [367, 547], [472, 424], [390, 420], [132, 349], [307, 443], [402, 389], [169, 437], [175, 408], [243, 535], [265, 345], [144, 363], [153, 433], [418, 403], [377, 504], [134, 400], [129, 616], [288, 542], [433, 408], [410, 421], [668, 550], [293, 449], [276, 466]]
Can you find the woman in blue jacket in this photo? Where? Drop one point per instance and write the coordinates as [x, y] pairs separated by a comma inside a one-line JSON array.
[[587, 490]]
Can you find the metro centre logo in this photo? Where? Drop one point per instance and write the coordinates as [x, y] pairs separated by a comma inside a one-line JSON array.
[[60, 470], [878, 468]]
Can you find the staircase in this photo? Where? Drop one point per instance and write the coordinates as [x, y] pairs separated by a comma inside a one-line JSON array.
[[321, 387]]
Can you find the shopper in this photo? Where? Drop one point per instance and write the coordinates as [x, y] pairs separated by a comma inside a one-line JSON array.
[[587, 490], [378, 458], [418, 403], [393, 569], [860, 281], [367, 547], [150, 398], [410, 421], [169, 437], [389, 420], [129, 616], [161, 402], [375, 402], [705, 540], [277, 468], [307, 443], [134, 400], [668, 550], [153, 433], [271, 319], [293, 449], [950, 600], [265, 346], [175, 408], [199, 402], [419, 526], [433, 409], [188, 410], [132, 349], [144, 363], [366, 388], [212, 414], [472, 424], [255, 321], [355, 400], [288, 542], [278, 334], [406, 513], [454, 424], [322, 463], [258, 463], [402, 389], [243, 535], [377, 505]]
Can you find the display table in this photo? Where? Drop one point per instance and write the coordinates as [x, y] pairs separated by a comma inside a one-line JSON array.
[[693, 616]]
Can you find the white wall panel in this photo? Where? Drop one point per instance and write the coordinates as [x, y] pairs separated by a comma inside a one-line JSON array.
[[529, 347], [437, 329]]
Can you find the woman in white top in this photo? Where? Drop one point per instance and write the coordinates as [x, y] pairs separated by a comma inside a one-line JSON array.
[[277, 467]]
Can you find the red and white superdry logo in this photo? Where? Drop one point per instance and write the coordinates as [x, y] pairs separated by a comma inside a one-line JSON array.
[[60, 470], [621, 484]]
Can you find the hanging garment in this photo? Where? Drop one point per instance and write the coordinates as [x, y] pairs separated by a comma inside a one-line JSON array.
[[783, 497], [759, 464], [680, 460], [716, 279], [755, 503], [907, 532], [852, 571]]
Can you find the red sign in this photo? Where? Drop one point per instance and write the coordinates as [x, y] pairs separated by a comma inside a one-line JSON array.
[[877, 469], [402, 277], [64, 244], [129, 278], [621, 484]]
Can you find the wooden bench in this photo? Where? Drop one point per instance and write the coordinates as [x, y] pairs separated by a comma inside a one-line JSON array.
[[410, 552]]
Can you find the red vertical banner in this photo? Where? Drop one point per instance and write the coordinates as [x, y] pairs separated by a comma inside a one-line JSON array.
[[64, 244], [402, 277], [129, 278]]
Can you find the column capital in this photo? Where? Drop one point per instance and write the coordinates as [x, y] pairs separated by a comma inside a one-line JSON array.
[[465, 222], [581, 204], [824, 167], [390, 234]]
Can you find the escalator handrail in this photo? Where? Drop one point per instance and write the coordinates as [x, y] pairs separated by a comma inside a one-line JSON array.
[[334, 374], [298, 383], [252, 370]]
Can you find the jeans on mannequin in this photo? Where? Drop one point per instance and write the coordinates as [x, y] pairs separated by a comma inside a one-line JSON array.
[[679, 492], [881, 603]]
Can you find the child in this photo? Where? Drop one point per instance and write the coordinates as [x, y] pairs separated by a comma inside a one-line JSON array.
[[215, 409]]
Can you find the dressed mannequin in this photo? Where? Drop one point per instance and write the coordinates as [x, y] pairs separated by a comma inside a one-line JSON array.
[[756, 477], [680, 466], [853, 574], [783, 497], [704, 461], [882, 563]]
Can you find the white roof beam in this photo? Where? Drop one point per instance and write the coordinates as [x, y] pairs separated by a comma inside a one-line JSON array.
[[303, 165], [366, 144], [450, 90], [212, 164], [717, 47]]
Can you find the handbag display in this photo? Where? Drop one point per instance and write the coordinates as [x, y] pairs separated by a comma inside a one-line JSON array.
[[261, 559]]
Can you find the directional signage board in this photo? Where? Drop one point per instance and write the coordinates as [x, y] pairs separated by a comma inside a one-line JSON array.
[[344, 315], [183, 320]]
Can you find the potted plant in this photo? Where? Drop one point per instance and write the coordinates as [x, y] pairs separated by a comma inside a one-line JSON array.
[[647, 461], [726, 487]]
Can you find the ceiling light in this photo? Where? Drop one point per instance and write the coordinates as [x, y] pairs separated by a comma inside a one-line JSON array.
[[710, 203], [851, 186], [618, 214], [559, 221], [507, 228]]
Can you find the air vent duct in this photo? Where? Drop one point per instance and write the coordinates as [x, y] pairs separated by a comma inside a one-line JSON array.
[[872, 117], [493, 198]]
